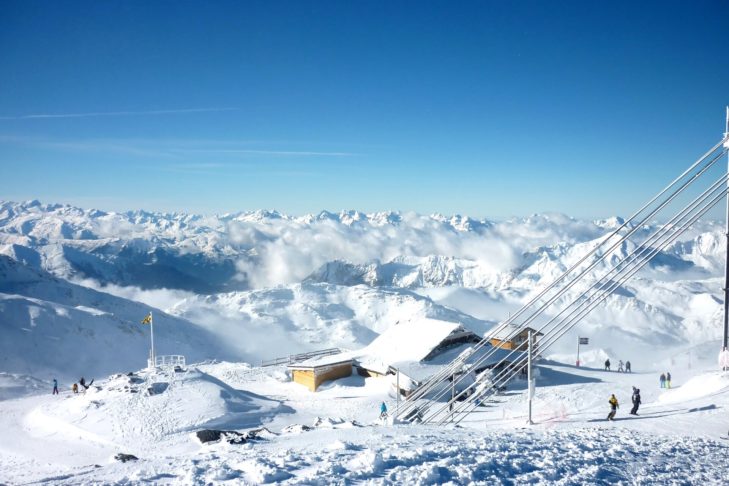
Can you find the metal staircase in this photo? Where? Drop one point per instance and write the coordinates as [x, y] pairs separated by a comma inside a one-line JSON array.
[[567, 300]]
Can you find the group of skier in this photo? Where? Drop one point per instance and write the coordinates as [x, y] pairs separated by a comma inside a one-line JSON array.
[[665, 380], [75, 388], [621, 367], [613, 401]]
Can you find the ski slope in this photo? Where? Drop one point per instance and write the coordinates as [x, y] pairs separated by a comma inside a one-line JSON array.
[[334, 435]]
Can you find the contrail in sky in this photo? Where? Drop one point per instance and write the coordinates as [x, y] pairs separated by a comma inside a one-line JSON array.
[[116, 113]]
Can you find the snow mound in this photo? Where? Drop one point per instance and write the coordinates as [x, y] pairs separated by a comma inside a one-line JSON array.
[[134, 412], [697, 387]]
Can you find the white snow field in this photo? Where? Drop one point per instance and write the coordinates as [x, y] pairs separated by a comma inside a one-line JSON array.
[[333, 436], [229, 291]]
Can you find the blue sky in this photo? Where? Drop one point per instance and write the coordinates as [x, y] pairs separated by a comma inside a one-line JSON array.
[[487, 108]]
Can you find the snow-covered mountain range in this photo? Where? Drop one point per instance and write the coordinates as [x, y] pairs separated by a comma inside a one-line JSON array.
[[75, 284], [267, 284], [241, 251]]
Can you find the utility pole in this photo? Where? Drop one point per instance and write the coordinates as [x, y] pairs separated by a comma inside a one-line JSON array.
[[453, 393], [397, 393], [726, 265], [529, 378]]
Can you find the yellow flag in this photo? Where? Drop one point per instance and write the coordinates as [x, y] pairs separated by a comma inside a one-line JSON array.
[[148, 319]]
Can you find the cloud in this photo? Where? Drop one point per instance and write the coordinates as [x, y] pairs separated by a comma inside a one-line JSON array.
[[296, 153], [287, 251], [163, 299], [185, 150], [116, 113]]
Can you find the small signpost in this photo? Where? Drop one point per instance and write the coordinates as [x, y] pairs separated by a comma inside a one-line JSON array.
[[583, 341]]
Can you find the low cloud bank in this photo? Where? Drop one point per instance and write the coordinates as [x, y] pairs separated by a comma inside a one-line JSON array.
[[287, 251]]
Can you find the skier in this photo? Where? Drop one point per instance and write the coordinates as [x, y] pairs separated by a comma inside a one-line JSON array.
[[55, 386], [83, 383], [383, 411], [620, 366], [607, 364], [663, 380], [613, 407], [636, 401], [627, 367], [75, 388], [668, 380]]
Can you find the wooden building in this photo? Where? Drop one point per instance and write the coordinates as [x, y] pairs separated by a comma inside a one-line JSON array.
[[513, 338], [312, 373]]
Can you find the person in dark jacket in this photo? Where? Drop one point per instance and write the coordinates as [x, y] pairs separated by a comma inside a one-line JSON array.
[[668, 380], [613, 407], [607, 365], [55, 386], [83, 383], [627, 366], [662, 379], [636, 401]]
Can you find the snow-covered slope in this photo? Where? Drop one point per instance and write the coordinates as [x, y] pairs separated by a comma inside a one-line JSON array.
[[272, 284], [50, 327], [309, 316], [333, 436]]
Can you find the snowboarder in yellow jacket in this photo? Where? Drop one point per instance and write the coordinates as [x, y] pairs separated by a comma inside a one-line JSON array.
[[613, 407]]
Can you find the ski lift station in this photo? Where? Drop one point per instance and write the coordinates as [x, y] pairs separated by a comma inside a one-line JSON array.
[[411, 352]]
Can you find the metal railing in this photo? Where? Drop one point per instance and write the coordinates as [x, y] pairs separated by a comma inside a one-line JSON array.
[[168, 361], [297, 358]]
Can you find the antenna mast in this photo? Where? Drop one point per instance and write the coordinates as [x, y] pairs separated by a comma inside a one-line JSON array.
[[726, 265]]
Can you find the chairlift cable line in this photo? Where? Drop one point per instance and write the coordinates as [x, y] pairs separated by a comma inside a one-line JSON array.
[[643, 248], [607, 294], [437, 379], [567, 323], [663, 205]]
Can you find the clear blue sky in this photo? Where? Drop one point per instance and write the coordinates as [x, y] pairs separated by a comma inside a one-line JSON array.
[[487, 108]]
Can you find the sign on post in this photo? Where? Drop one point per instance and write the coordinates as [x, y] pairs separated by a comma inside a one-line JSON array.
[[581, 340]]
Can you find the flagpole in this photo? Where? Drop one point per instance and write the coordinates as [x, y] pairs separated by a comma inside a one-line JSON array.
[[151, 326]]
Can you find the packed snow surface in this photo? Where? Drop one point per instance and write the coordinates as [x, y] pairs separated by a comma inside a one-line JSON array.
[[334, 436]]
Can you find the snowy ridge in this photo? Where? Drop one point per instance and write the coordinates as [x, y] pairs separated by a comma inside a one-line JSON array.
[[209, 254], [50, 327], [340, 279]]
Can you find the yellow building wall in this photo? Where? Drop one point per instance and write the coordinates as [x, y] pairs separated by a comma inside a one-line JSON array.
[[333, 373], [313, 378], [306, 378], [502, 344]]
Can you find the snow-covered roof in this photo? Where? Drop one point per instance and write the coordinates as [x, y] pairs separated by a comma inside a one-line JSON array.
[[422, 370], [319, 361], [410, 341], [511, 331], [406, 341]]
